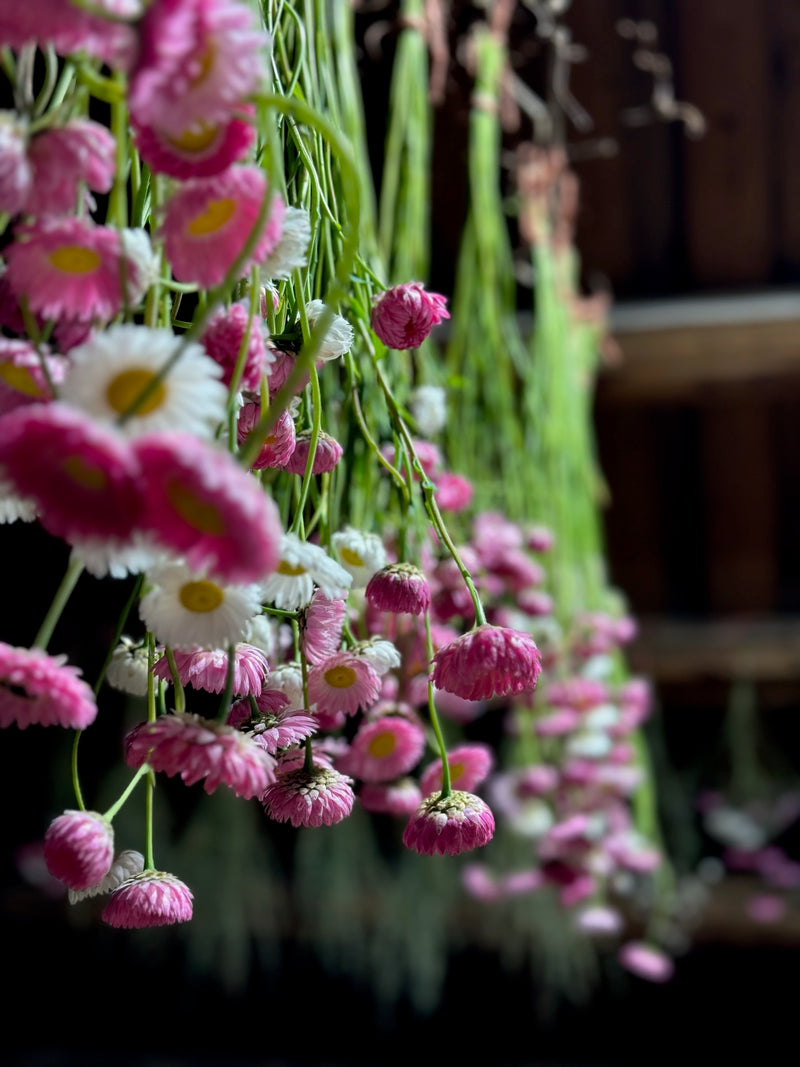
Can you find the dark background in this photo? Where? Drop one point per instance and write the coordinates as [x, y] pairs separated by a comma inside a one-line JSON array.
[[697, 433]]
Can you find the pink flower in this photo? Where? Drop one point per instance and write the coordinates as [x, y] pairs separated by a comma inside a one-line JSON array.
[[198, 60], [64, 157], [321, 627], [207, 668], [79, 848], [469, 765], [646, 961], [402, 797], [326, 456], [453, 491], [201, 504], [67, 268], [223, 339], [281, 368], [383, 749], [599, 919], [452, 824], [151, 898], [199, 151], [400, 588], [85, 480], [279, 444], [201, 749], [281, 729], [69, 29], [37, 688], [404, 315], [343, 684], [22, 379], [479, 882], [317, 797], [208, 221], [488, 661]]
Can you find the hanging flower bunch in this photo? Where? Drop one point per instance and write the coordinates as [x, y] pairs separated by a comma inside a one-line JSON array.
[[186, 305]]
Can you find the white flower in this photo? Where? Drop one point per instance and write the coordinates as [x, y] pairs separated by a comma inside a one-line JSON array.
[[338, 337], [261, 633], [361, 553], [429, 409], [127, 668], [589, 744], [288, 678], [14, 507], [110, 371], [117, 559], [291, 252], [125, 865], [142, 267], [601, 717], [303, 566], [381, 654], [185, 611]]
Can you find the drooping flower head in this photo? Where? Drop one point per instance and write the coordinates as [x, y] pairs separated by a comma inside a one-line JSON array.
[[327, 453], [321, 626], [273, 726], [469, 765], [399, 587], [127, 669], [199, 151], [200, 749], [338, 337], [452, 824], [201, 504], [207, 669], [69, 29], [278, 444], [150, 898], [79, 848], [110, 372], [320, 796], [124, 865], [64, 157], [404, 315], [488, 661], [224, 338], [291, 252], [208, 221], [402, 797], [83, 478], [39, 689]]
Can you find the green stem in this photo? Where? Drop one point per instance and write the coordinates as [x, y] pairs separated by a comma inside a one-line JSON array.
[[112, 811], [76, 784], [63, 593], [227, 696], [446, 787]]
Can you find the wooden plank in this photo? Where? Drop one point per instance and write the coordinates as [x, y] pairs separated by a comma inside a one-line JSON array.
[[723, 68]]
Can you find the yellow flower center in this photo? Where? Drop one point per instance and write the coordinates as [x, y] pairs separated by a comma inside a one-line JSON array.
[[382, 744], [83, 473], [289, 569], [124, 389], [214, 217], [196, 139], [19, 378], [201, 596], [456, 770], [341, 677], [351, 557], [198, 513], [74, 259], [204, 62]]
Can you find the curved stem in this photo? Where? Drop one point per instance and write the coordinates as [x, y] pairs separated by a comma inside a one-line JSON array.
[[63, 593], [446, 787]]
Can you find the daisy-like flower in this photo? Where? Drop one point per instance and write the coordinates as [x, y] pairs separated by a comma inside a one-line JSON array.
[[208, 221], [223, 339], [343, 684], [278, 444], [469, 765], [124, 865], [83, 479], [37, 688], [320, 796], [150, 898], [327, 454], [321, 627], [200, 749], [127, 668], [274, 730], [399, 587], [200, 150], [69, 29], [402, 797], [360, 552], [452, 824], [207, 669], [429, 409], [338, 337], [186, 610], [22, 377], [404, 315], [115, 557], [198, 60], [646, 961], [488, 661], [381, 654], [291, 252], [67, 268], [301, 566], [64, 157], [202, 505], [384, 749], [79, 848], [112, 370], [288, 678]]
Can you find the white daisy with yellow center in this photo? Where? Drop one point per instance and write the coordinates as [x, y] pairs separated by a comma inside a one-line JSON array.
[[302, 566], [361, 553], [186, 610], [116, 377]]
